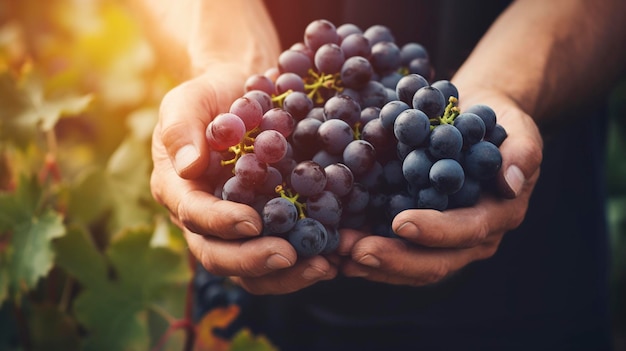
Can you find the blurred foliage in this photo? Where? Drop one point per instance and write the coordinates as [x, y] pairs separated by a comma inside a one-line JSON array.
[[88, 260]]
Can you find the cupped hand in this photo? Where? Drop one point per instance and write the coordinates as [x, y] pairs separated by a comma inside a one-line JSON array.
[[223, 235], [439, 243]]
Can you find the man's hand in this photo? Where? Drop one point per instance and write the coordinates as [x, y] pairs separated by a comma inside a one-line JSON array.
[[439, 243], [222, 235]]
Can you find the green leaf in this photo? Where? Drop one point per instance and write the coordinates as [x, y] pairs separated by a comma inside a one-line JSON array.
[[114, 303], [79, 256], [29, 232], [51, 329], [244, 340], [25, 108], [33, 256], [19, 206]]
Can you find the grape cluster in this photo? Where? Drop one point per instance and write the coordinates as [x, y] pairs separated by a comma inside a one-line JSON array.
[[347, 131]]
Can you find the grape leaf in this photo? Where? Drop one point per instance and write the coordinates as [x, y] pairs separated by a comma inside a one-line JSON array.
[[29, 255], [51, 329], [27, 110], [114, 302], [220, 317], [244, 340]]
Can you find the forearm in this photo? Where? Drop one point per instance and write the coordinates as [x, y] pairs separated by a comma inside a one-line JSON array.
[[548, 54], [196, 36]]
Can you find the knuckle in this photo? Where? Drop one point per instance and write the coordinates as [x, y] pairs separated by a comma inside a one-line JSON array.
[[437, 273]]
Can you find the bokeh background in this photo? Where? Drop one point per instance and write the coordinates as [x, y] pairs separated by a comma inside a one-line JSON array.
[[88, 260]]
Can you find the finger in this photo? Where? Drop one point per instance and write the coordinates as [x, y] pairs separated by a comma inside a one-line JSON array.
[[395, 261], [347, 239], [183, 116], [246, 258], [305, 273], [462, 227], [194, 206], [521, 153]]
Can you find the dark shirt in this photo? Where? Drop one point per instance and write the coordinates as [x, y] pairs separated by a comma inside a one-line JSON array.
[[546, 287]]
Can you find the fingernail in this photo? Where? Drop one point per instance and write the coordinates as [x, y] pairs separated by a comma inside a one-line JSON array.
[[407, 229], [277, 261], [514, 179], [185, 156], [313, 273], [246, 228], [370, 261]]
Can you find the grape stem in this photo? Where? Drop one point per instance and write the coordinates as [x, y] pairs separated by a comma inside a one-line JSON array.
[[278, 100], [328, 81], [246, 146], [287, 194], [449, 114]]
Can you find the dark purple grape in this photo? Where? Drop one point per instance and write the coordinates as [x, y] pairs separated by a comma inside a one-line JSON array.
[[416, 168], [382, 139], [263, 98], [308, 178], [373, 94], [344, 108], [346, 29], [411, 51], [411, 127], [249, 110], [390, 111], [329, 58], [447, 176], [497, 135], [487, 114], [407, 87], [339, 179], [324, 207], [235, 190], [430, 198], [289, 81], [279, 215], [385, 57], [429, 100], [445, 142], [250, 170], [378, 33], [447, 89], [356, 45], [295, 62], [260, 82], [471, 126], [422, 67], [357, 199], [335, 135], [359, 156], [308, 237], [399, 202], [332, 243], [320, 32], [356, 72], [325, 158], [482, 160], [270, 146], [467, 196], [298, 104], [278, 119]]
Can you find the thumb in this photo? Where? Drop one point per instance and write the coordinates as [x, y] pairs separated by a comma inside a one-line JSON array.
[[184, 114], [521, 153]]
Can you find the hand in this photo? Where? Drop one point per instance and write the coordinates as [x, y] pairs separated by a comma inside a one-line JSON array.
[[440, 243], [222, 235]]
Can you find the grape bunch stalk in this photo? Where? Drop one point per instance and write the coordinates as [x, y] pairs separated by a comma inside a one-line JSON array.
[[347, 131]]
